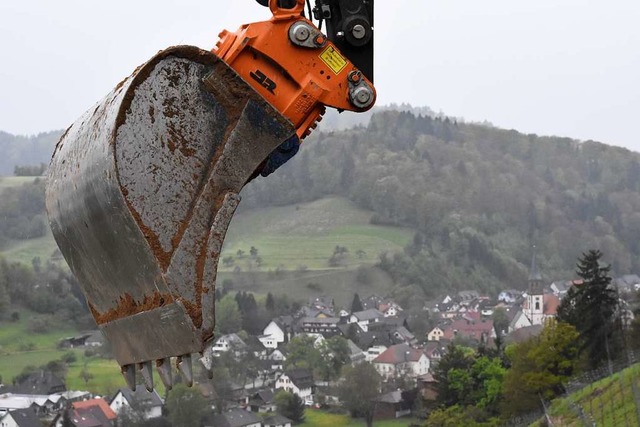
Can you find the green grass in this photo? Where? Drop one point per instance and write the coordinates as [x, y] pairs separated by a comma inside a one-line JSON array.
[[316, 418], [24, 251], [286, 237], [306, 235], [608, 402], [20, 348], [15, 181]]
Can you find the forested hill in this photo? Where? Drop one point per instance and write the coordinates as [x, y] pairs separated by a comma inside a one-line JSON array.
[[480, 196]]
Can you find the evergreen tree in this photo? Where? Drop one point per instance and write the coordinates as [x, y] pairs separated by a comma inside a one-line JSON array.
[[290, 405], [356, 304], [270, 303], [592, 308]]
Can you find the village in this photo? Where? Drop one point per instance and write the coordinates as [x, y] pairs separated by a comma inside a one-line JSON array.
[[376, 333]]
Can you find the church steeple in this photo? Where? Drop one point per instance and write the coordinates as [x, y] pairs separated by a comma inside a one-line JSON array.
[[534, 273], [535, 299]]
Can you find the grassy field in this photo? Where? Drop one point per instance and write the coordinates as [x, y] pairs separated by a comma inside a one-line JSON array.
[[20, 348], [14, 181], [316, 418], [609, 402], [306, 235], [287, 238]]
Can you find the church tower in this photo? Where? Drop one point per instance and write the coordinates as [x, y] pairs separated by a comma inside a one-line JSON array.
[[535, 298]]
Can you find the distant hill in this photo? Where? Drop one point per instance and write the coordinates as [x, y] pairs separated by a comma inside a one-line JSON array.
[[478, 197], [26, 150]]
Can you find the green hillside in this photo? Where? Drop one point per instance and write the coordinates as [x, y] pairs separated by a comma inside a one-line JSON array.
[[287, 238], [306, 235], [611, 402]]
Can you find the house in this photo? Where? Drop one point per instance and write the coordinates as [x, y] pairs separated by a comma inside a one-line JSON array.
[[277, 332], [41, 382], [88, 413], [322, 303], [97, 406], [480, 331], [96, 339], [434, 350], [234, 418], [467, 296], [325, 326], [20, 418], [149, 404], [428, 387], [229, 342], [389, 308], [394, 404], [560, 288], [627, 283], [374, 351], [509, 296], [276, 358], [435, 334], [524, 334], [277, 421], [517, 320], [73, 342], [297, 381], [366, 317], [356, 355], [401, 360], [262, 401], [373, 301], [14, 401]]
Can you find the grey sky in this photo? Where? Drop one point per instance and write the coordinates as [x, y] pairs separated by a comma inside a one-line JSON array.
[[561, 67]]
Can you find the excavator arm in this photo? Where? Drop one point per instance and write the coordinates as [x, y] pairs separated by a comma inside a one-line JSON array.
[[141, 189]]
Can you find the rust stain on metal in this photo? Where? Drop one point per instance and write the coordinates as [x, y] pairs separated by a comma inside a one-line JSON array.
[[128, 306]]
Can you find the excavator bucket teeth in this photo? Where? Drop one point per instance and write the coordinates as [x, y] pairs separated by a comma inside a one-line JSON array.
[[140, 192]]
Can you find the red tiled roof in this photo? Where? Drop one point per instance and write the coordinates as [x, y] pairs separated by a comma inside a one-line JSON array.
[[400, 353], [101, 403], [551, 303], [469, 329]]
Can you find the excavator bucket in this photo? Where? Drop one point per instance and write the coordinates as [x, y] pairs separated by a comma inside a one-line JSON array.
[[140, 192]]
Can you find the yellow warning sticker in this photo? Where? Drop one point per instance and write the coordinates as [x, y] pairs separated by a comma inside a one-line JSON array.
[[333, 59]]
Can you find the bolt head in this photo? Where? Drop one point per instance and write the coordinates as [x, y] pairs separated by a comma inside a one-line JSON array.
[[358, 31], [363, 96], [301, 33]]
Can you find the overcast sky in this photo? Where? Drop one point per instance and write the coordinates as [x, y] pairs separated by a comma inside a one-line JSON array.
[[553, 67]]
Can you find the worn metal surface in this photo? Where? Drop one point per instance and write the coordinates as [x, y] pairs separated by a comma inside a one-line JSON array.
[[141, 190]]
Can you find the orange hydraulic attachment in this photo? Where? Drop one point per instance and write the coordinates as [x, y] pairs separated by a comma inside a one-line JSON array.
[[295, 67]]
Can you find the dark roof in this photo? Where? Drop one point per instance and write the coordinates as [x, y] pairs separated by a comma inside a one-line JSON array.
[[233, 418], [25, 418], [41, 382], [368, 339], [301, 377], [391, 397], [141, 398], [264, 396], [276, 420], [369, 314]]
